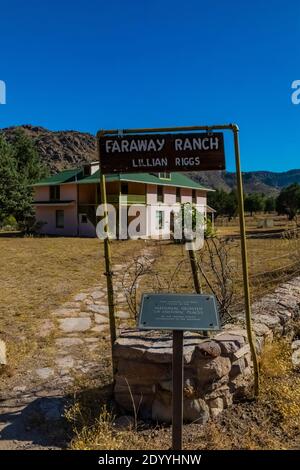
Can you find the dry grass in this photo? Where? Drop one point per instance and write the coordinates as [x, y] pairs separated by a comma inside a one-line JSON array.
[[267, 258], [102, 433], [281, 385], [37, 275], [231, 227]]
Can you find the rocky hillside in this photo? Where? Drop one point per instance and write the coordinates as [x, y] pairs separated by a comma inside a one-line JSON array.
[[59, 149], [66, 149]]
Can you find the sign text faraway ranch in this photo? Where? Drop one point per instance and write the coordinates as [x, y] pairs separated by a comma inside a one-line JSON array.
[[162, 152]]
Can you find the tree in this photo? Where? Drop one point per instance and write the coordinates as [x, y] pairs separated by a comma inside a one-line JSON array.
[[288, 201], [20, 167], [254, 202], [8, 178], [224, 203], [231, 204], [270, 204], [216, 199]]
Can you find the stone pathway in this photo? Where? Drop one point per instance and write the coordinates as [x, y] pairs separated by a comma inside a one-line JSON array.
[[78, 333], [80, 324]]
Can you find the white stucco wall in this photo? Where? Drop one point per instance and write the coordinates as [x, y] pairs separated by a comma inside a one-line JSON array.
[[47, 213]]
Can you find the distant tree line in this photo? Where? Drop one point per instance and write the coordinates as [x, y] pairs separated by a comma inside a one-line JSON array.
[[20, 167], [286, 203]]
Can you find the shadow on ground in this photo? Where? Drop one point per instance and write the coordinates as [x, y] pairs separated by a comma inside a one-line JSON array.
[[41, 423]]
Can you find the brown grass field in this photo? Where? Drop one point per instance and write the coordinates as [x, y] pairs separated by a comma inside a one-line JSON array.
[[38, 274]]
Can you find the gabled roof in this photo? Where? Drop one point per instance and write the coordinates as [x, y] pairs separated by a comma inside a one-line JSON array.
[[177, 179], [76, 175], [65, 176]]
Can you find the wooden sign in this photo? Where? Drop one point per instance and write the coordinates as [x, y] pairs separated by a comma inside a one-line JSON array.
[[145, 153], [179, 312]]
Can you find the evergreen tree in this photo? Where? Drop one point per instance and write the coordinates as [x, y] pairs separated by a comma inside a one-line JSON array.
[[231, 204], [8, 180], [270, 204], [20, 167], [254, 202], [288, 201], [216, 200], [224, 203]]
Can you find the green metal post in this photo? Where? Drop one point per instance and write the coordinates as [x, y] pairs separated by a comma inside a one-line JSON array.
[[108, 269], [177, 390], [235, 130]]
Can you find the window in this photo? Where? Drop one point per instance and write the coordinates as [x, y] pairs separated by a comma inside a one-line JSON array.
[[86, 170], [166, 175], [160, 220], [54, 193], [178, 195], [60, 219], [160, 194], [84, 219], [124, 188], [194, 196]]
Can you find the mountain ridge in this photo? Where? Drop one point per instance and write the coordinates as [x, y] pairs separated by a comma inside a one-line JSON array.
[[61, 150]]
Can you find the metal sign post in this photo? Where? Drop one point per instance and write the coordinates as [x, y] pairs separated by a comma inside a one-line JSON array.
[[245, 259], [108, 271], [177, 389], [178, 312]]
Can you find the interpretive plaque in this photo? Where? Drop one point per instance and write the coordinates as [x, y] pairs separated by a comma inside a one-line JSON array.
[[179, 312]]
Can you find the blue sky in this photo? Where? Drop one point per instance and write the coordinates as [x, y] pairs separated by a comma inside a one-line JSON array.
[[87, 65]]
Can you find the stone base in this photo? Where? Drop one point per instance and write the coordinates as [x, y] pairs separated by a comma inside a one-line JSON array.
[[144, 373], [217, 370]]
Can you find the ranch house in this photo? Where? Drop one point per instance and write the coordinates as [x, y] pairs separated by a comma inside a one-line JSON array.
[[66, 203]]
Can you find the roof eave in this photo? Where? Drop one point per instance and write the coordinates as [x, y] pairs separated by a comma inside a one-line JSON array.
[[165, 183]]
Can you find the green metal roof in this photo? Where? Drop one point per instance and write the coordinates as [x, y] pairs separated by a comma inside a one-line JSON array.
[[65, 176], [177, 179], [95, 178], [69, 176]]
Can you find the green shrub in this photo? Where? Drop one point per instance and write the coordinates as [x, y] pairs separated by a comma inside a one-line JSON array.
[[9, 222]]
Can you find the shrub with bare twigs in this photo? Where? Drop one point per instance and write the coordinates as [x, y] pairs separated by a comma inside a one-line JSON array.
[[218, 270]]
